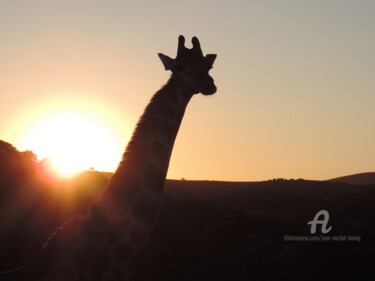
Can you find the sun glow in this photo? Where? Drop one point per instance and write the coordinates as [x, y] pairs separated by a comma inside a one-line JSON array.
[[74, 142]]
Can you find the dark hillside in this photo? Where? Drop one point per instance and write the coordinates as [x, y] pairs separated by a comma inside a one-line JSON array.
[[235, 231], [359, 179]]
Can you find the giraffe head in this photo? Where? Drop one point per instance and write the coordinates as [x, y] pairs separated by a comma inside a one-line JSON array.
[[191, 67]]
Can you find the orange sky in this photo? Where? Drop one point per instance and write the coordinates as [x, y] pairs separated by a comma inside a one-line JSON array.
[[295, 88]]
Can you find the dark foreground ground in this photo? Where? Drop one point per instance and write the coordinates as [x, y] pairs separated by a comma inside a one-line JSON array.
[[238, 231], [211, 230]]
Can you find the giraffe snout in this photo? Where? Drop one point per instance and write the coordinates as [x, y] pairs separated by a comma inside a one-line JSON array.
[[208, 87]]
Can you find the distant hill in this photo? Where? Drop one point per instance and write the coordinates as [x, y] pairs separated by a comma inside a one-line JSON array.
[[357, 179]]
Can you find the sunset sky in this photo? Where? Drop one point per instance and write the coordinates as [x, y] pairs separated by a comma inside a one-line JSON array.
[[296, 87]]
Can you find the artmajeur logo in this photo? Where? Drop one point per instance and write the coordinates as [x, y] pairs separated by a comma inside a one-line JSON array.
[[321, 219], [323, 222]]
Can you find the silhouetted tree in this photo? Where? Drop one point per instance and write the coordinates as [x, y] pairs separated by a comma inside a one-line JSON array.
[[29, 156], [6, 148]]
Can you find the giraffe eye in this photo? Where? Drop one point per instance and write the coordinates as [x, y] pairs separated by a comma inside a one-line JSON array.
[[178, 67]]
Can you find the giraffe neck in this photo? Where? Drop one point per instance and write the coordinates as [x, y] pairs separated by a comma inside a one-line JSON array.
[[133, 197], [152, 142]]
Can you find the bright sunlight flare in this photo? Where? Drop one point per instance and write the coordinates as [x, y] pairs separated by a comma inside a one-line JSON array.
[[74, 141]]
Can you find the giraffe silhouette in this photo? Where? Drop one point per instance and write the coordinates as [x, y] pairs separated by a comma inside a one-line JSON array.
[[107, 242]]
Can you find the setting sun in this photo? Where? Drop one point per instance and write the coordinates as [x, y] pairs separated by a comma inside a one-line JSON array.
[[74, 141]]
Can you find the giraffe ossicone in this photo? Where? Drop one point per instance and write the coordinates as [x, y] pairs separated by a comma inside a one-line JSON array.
[[106, 243], [192, 59]]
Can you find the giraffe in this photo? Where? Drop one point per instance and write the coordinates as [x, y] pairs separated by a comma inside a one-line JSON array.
[[106, 243]]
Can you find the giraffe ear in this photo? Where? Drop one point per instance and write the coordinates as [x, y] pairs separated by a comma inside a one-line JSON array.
[[167, 61], [210, 59]]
